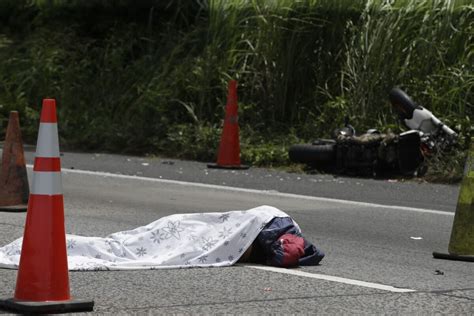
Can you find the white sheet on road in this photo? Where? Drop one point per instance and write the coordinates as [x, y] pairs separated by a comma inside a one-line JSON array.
[[175, 241]]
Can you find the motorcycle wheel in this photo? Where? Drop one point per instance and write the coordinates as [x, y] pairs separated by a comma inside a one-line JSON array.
[[313, 154], [402, 103]]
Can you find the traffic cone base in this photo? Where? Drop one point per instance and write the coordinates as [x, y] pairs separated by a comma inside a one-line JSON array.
[[217, 166], [27, 307], [450, 256], [14, 208], [14, 188]]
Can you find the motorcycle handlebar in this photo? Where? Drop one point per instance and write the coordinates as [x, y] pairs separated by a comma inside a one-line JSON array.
[[449, 131], [443, 126]]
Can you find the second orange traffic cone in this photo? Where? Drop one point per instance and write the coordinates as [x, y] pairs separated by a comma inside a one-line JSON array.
[[228, 156], [14, 188], [42, 284]]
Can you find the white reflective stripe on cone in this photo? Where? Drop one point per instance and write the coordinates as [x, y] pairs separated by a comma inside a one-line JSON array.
[[48, 183], [48, 143]]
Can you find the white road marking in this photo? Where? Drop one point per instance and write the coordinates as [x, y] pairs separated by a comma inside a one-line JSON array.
[[331, 278], [254, 191]]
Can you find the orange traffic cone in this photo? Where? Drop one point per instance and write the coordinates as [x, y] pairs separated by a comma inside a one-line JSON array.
[[43, 282], [229, 149], [14, 187]]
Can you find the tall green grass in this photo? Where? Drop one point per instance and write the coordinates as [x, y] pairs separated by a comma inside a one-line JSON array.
[[151, 78], [414, 45]]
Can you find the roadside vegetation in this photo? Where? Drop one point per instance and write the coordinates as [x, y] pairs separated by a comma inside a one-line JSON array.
[[151, 79]]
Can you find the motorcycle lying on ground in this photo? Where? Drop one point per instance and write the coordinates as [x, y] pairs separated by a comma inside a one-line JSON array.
[[374, 153]]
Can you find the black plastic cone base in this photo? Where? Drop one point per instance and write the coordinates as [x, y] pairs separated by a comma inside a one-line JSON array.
[[235, 167], [14, 208], [450, 256], [48, 307]]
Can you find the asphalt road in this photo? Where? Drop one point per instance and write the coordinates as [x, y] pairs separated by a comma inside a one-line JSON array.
[[378, 236]]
